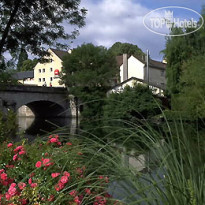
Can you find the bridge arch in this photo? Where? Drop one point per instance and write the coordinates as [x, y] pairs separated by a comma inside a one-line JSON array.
[[46, 109], [43, 101]]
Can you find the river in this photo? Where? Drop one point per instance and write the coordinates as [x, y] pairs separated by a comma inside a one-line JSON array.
[[30, 127]]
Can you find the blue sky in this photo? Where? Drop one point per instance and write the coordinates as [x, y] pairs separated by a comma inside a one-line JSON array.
[[109, 21]]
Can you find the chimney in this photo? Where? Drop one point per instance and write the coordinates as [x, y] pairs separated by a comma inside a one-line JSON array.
[[125, 67], [147, 67]]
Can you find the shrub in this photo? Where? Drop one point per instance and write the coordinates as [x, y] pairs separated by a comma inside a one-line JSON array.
[[8, 125], [46, 172]]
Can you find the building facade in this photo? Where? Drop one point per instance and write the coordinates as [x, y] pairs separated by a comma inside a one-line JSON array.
[[133, 70], [47, 74]]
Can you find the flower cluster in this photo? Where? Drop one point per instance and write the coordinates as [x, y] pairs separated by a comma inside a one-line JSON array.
[[27, 180], [44, 163], [18, 151], [63, 180], [54, 139]]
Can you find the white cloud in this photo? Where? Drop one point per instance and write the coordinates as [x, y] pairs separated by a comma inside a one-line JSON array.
[[109, 21]]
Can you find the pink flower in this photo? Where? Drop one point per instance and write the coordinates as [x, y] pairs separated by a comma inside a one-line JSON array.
[[15, 157], [73, 193], [2, 170], [23, 201], [18, 148], [49, 164], [45, 161], [9, 145], [101, 177], [54, 175], [59, 143], [87, 191], [12, 189], [64, 179], [38, 164], [33, 185], [59, 186], [76, 200], [3, 176], [22, 152], [53, 140], [69, 143], [30, 181], [21, 185], [66, 174]]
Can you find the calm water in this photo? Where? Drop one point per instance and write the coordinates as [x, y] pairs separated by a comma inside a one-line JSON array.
[[30, 127]]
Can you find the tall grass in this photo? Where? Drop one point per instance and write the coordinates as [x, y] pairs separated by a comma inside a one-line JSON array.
[[174, 171]]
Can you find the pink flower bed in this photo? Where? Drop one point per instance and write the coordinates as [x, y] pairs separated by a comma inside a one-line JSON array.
[[45, 172]]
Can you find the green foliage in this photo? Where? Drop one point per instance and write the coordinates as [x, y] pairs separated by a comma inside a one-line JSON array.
[[191, 99], [8, 125], [121, 48], [179, 50], [89, 71], [28, 65], [23, 56], [16, 28], [6, 78], [52, 173], [133, 103]]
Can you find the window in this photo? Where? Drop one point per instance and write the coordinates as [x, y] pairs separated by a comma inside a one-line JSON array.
[[39, 80], [51, 69], [51, 60], [44, 70], [51, 79], [162, 73], [39, 70], [44, 79]]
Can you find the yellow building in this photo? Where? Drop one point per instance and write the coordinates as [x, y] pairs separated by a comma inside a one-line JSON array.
[[47, 74]]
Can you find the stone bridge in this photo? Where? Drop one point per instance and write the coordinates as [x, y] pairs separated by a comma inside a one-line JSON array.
[[43, 101]]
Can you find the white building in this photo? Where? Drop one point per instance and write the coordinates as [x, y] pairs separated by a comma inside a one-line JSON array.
[[134, 70]]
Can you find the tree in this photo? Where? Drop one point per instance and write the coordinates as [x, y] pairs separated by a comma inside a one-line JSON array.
[[22, 57], [37, 23], [179, 50], [88, 72], [120, 48], [28, 65], [131, 104], [191, 99]]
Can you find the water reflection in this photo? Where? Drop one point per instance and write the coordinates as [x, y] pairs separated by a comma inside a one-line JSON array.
[[30, 127]]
